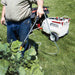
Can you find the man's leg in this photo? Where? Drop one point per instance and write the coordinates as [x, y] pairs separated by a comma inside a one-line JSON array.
[[12, 31], [24, 30]]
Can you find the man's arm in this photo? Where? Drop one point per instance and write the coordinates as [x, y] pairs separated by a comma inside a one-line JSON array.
[[40, 11], [3, 14]]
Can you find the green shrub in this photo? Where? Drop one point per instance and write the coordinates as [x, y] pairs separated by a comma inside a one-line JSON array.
[[18, 65]]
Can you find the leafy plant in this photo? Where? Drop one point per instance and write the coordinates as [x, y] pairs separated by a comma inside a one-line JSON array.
[[4, 50], [4, 64], [18, 65]]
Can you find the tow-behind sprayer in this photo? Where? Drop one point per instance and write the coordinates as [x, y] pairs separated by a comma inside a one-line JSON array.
[[58, 27]]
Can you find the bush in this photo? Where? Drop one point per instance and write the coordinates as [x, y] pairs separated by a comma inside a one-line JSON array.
[[18, 65]]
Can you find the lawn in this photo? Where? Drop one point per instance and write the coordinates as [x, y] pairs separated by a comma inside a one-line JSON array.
[[64, 62]]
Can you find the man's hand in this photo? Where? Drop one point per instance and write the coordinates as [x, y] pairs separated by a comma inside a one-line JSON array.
[[40, 10], [3, 20]]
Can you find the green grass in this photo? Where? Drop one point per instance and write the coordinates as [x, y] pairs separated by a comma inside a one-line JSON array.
[[2, 28], [64, 62]]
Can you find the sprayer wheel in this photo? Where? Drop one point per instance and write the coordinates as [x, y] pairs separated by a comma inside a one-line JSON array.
[[54, 36]]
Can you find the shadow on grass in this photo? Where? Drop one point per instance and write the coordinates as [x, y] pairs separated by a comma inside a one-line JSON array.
[[34, 44]]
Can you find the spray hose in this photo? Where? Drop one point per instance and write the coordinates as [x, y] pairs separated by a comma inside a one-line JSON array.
[[51, 35]]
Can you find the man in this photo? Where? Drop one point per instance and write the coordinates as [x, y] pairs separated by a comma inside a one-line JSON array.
[[17, 15]]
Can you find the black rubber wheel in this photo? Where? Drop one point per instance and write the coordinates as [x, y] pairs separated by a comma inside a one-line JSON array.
[[54, 36]]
